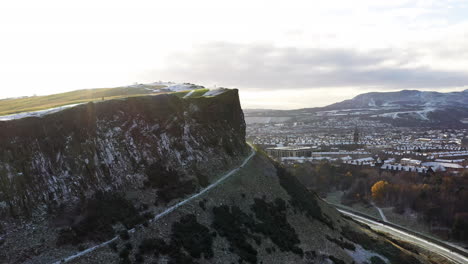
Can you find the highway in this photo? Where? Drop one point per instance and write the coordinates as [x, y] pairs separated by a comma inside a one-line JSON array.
[[437, 247]]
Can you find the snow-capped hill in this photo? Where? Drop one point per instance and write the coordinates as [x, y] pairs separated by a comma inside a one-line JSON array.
[[404, 98], [409, 107]]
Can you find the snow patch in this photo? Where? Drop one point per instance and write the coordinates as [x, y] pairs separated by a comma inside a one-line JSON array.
[[36, 113], [215, 92], [189, 94], [360, 255], [179, 87]]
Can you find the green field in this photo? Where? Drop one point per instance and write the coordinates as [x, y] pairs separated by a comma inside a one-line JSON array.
[[36, 103]]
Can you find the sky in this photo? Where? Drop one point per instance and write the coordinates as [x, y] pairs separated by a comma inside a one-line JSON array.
[[279, 54]]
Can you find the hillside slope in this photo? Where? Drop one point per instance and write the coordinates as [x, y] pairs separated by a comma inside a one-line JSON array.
[[260, 215], [76, 178]]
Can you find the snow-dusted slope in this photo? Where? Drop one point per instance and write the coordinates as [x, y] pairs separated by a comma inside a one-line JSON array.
[[405, 98], [408, 107], [36, 113]]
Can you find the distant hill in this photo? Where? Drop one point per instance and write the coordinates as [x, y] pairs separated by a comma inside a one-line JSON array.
[[404, 98], [407, 108]]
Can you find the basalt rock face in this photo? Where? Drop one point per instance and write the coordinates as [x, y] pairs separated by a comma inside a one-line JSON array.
[[117, 144]]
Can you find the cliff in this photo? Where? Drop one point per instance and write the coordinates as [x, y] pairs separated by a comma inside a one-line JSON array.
[[117, 144]]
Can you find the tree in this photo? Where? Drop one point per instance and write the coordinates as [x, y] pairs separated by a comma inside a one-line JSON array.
[[379, 190]]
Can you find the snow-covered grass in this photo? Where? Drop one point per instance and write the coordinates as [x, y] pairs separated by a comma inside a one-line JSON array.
[[36, 113], [215, 92], [421, 114], [16, 108], [361, 255]]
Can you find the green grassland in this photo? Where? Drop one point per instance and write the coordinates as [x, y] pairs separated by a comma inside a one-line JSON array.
[[37, 103]]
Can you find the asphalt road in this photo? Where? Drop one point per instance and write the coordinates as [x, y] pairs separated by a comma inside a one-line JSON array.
[[405, 236]]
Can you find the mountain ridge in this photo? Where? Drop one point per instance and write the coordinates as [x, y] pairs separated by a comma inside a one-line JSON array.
[[405, 108]]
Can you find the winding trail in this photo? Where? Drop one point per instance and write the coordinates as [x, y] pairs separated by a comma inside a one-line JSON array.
[[165, 212]]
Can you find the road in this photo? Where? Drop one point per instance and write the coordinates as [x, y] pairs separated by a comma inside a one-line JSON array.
[[455, 257], [165, 212]]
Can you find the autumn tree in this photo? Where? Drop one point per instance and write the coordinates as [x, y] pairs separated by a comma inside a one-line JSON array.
[[379, 190]]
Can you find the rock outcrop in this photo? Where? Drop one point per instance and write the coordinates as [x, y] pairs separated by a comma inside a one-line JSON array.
[[117, 144]]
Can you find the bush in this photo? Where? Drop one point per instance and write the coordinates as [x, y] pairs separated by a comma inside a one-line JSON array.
[[336, 260], [377, 260], [98, 214], [129, 246], [342, 244], [234, 225], [113, 246], [124, 253], [81, 247], [274, 224], [124, 235], [156, 245], [168, 182], [139, 258], [194, 237], [301, 198], [202, 205]]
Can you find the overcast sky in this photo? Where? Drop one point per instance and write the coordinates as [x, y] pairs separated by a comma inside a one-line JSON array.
[[280, 54]]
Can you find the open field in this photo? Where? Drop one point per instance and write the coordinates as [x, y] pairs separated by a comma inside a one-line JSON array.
[[37, 103]]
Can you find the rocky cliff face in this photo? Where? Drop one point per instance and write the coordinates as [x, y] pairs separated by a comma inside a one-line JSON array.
[[117, 144]]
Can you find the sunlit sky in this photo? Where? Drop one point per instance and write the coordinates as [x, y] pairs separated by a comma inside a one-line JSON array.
[[280, 54]]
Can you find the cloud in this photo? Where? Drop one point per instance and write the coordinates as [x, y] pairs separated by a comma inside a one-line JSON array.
[[270, 67]]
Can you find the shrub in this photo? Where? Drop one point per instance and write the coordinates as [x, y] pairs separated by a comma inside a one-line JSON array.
[[202, 205], [336, 260], [342, 244], [129, 246], [113, 246], [98, 214], [124, 235], [376, 260], [81, 247], [194, 237], [124, 253], [156, 245], [139, 258], [274, 224], [168, 182], [234, 225], [301, 198]]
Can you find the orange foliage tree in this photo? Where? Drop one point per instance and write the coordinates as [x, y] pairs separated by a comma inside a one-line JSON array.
[[379, 190]]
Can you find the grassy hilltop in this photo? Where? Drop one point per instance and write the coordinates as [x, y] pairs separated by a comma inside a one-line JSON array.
[[37, 103]]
